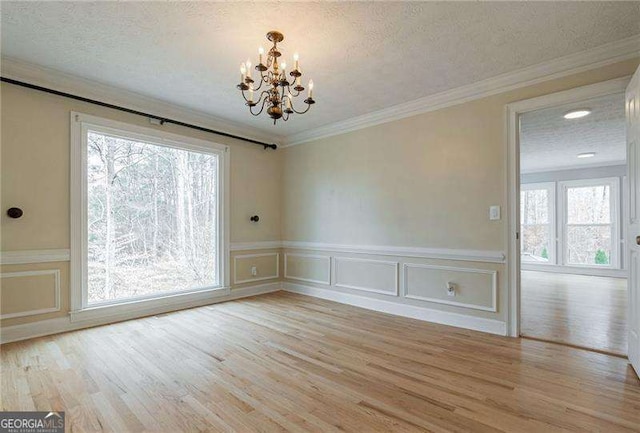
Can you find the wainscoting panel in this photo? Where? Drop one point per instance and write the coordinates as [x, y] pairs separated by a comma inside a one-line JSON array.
[[308, 267], [267, 267], [376, 276], [28, 293], [475, 288]]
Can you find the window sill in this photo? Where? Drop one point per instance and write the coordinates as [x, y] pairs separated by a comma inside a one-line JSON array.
[[146, 307], [578, 270]]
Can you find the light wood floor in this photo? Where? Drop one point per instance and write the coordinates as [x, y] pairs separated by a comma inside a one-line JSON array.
[[285, 362], [575, 309]]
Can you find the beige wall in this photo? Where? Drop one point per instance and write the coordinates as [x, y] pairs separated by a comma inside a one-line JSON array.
[[35, 176], [425, 181]]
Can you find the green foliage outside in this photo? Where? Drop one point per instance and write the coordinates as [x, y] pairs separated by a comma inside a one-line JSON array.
[[545, 253], [601, 258]]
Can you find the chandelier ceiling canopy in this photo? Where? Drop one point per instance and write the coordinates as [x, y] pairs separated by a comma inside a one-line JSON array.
[[280, 89]]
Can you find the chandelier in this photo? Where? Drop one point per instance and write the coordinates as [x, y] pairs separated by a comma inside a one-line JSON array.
[[279, 92]]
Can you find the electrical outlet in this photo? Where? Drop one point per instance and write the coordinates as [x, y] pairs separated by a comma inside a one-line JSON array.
[[254, 271], [451, 289]]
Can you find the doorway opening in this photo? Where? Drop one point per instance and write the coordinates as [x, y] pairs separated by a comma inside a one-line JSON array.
[[570, 198]]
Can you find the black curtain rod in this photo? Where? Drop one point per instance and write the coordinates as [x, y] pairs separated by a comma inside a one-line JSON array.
[[162, 120]]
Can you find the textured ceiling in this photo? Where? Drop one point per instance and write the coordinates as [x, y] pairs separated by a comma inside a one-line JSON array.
[[548, 141], [362, 56]]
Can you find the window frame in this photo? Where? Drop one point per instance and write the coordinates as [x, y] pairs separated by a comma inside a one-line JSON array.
[[553, 239], [81, 124], [614, 197]]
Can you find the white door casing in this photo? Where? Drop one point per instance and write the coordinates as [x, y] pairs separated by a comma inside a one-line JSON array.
[[632, 109]]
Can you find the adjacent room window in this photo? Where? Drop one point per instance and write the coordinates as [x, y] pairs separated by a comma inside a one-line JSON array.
[[537, 215], [152, 211], [590, 222]]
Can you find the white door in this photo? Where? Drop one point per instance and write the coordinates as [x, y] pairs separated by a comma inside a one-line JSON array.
[[632, 108]]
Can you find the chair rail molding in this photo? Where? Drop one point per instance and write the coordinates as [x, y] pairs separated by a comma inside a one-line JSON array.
[[485, 256], [21, 257], [259, 245]]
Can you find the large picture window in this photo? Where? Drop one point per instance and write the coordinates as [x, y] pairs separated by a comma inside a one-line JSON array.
[[537, 213], [591, 212], [151, 213]]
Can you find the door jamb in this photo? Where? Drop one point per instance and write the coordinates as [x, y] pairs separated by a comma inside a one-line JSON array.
[[512, 118]]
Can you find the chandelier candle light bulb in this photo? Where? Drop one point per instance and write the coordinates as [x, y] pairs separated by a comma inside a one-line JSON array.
[[280, 92]]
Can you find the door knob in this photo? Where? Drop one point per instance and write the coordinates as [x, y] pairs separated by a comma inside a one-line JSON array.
[[637, 240]]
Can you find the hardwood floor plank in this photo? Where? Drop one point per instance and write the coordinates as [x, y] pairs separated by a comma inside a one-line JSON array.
[[580, 310], [285, 362]]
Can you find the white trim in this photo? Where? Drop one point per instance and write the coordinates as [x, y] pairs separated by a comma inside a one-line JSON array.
[[80, 124], [614, 204], [21, 257], [482, 324], [485, 256], [64, 324], [575, 270], [76, 85], [603, 55], [575, 167], [494, 286], [141, 307], [395, 265], [250, 280], [308, 280], [56, 288], [561, 67], [249, 246], [550, 187], [512, 184]]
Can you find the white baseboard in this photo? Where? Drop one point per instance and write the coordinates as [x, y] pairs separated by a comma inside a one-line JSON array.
[[490, 326], [41, 328]]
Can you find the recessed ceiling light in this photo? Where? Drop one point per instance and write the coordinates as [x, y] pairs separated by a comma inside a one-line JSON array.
[[576, 114], [586, 155]]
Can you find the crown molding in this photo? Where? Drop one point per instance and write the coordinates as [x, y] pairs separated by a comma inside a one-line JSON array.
[[603, 55], [64, 82]]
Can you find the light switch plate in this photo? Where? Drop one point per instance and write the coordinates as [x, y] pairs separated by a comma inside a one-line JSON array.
[[494, 213]]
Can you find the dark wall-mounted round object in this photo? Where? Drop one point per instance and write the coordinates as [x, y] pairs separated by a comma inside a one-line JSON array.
[[14, 212], [255, 218]]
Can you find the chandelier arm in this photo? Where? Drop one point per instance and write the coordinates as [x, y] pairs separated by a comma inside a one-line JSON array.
[[261, 107], [300, 112], [255, 89], [244, 97]]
